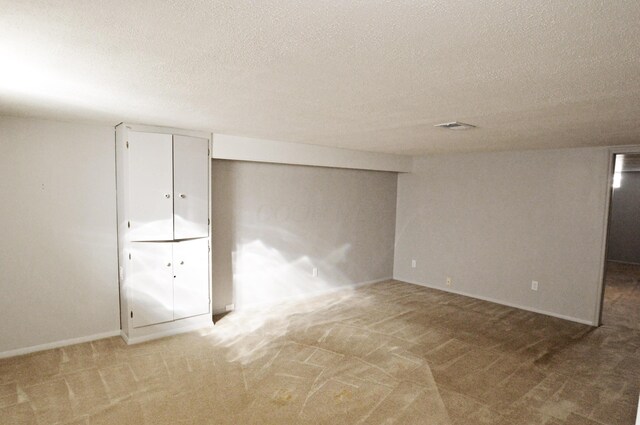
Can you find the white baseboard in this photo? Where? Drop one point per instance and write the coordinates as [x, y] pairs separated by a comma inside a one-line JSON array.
[[310, 294], [355, 285], [124, 336], [57, 344], [623, 262], [502, 302], [165, 333]]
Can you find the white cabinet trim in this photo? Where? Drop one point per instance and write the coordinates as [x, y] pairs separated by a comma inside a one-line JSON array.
[[125, 243]]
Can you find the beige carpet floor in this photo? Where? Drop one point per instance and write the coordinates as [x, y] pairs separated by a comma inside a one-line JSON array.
[[389, 353]]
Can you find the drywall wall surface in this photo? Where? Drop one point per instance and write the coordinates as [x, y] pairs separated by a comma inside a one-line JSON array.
[[494, 222], [260, 150], [273, 224], [58, 246], [624, 224]]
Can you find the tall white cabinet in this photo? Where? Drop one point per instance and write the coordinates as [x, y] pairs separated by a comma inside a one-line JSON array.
[[164, 233]]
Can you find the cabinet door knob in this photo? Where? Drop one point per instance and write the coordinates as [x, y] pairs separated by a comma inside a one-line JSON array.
[[168, 264], [182, 195], [168, 195], [181, 263]]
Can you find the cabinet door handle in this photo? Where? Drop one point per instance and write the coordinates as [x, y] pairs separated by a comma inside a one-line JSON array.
[[168, 264], [168, 195], [182, 195]]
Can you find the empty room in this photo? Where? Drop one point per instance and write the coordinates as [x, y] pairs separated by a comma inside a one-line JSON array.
[[320, 212]]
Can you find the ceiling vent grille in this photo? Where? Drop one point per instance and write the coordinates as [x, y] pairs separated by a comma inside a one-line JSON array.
[[455, 125]]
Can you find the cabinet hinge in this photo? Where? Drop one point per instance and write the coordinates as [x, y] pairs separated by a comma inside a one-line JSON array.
[[129, 224], [209, 221], [127, 144], [209, 152]]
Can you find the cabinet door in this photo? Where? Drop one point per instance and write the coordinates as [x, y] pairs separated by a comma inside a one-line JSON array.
[[191, 187], [151, 283], [191, 282], [150, 186]]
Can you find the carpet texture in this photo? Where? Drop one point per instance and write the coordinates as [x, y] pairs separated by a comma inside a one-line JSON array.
[[388, 353]]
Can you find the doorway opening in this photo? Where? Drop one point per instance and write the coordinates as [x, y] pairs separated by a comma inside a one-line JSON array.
[[621, 294]]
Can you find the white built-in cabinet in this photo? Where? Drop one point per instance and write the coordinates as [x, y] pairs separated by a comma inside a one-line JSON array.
[[169, 281], [164, 242]]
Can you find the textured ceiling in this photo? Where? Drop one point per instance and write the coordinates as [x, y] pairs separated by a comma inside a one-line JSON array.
[[372, 75]]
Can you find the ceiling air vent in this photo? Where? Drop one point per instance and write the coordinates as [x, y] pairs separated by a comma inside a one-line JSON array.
[[455, 126]]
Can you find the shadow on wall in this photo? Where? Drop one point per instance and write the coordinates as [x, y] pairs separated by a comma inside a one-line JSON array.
[[282, 232]]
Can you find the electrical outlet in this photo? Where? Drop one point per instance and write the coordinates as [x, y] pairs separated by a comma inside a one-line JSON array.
[[534, 285], [229, 307], [448, 281], [314, 272], [413, 264]]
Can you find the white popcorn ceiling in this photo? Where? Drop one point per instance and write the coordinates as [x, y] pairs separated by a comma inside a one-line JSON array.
[[371, 75]]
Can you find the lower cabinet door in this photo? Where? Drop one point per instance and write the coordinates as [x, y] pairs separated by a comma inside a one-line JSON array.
[[191, 281], [151, 283]]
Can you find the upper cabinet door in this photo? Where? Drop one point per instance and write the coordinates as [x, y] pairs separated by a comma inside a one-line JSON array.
[[150, 186], [191, 187]]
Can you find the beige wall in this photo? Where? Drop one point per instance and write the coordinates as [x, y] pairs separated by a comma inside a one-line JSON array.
[[496, 221], [58, 250], [58, 246], [272, 224], [624, 224], [493, 222]]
